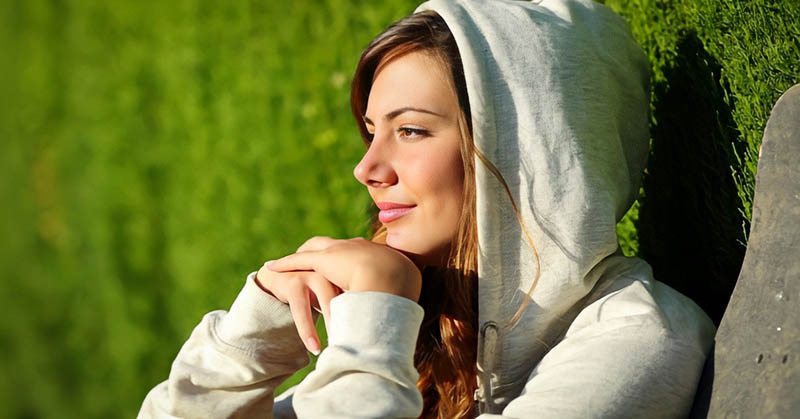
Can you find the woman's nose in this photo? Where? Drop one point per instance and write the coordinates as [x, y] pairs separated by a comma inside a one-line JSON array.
[[375, 168]]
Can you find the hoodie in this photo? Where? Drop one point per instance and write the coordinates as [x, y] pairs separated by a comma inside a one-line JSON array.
[[559, 98]]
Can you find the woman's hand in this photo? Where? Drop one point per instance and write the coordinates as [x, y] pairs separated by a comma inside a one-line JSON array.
[[346, 265], [355, 265], [301, 290]]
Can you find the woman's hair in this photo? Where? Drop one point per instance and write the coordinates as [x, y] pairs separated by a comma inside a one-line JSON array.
[[446, 349]]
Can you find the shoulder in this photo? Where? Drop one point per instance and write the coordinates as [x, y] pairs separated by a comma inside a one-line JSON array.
[[638, 303], [636, 350]]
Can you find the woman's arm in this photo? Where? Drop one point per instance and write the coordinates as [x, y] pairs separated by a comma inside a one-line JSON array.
[[232, 362], [367, 370]]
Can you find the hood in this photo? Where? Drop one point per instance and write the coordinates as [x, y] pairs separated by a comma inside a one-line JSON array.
[[559, 97]]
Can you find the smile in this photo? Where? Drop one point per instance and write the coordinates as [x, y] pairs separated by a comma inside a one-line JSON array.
[[388, 215]]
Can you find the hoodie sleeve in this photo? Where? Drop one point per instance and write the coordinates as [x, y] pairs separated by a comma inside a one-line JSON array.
[[232, 362], [628, 367], [367, 370]]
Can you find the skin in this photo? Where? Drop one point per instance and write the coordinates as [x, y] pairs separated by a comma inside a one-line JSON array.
[[413, 158]]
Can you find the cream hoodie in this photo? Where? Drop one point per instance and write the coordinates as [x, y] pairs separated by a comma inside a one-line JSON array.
[[559, 97]]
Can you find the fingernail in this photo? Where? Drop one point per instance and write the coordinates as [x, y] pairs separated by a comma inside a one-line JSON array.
[[312, 346], [267, 263]]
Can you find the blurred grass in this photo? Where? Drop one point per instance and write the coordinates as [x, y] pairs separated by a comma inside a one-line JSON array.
[[153, 154]]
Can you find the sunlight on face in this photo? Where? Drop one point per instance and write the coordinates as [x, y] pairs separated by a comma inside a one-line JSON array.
[[414, 162]]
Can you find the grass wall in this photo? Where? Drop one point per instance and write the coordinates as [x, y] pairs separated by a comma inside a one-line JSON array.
[[718, 66]]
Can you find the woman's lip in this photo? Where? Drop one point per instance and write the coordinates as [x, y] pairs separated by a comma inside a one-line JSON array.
[[388, 215], [386, 205]]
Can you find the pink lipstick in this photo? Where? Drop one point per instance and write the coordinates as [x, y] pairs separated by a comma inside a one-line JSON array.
[[391, 211]]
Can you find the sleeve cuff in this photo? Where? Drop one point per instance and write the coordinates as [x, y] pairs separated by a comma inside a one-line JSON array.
[[254, 314], [375, 319]]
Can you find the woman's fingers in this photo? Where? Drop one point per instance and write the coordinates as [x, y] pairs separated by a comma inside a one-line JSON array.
[[319, 261], [301, 289], [300, 305], [324, 292], [301, 261], [263, 280]]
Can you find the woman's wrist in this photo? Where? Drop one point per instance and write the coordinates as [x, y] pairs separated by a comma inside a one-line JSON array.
[[404, 281], [375, 318]]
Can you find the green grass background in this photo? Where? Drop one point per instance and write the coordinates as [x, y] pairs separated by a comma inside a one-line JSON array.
[[153, 154]]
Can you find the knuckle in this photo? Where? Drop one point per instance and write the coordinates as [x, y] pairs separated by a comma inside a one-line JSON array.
[[264, 275], [319, 279], [295, 288], [322, 289], [313, 242], [316, 239], [316, 278]]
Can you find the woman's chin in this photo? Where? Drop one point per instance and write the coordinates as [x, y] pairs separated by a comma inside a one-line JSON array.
[[419, 253], [402, 244]]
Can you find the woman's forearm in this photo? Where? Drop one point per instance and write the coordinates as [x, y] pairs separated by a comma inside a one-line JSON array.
[[367, 370], [232, 362]]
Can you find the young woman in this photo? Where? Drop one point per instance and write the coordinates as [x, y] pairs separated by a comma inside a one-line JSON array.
[[504, 140]]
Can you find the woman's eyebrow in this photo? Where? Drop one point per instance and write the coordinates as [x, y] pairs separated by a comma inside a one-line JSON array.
[[395, 113]]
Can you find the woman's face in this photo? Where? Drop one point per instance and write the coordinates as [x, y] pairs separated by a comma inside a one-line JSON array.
[[413, 168]]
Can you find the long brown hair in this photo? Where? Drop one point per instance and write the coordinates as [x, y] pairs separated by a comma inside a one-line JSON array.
[[446, 349]]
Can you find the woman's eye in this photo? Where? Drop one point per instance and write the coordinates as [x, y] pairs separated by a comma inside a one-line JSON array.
[[412, 132]]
